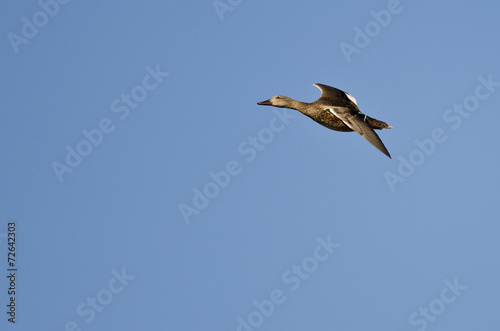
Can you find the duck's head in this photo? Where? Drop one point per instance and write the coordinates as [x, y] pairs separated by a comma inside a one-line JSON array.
[[277, 101]]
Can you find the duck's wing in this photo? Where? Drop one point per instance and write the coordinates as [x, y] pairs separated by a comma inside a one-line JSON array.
[[357, 121], [338, 97]]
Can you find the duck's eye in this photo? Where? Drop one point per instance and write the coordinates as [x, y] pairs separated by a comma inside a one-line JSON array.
[[277, 97]]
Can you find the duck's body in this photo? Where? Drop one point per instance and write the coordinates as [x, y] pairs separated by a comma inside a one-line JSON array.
[[336, 110]]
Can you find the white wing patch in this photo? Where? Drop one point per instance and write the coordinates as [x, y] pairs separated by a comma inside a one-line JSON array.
[[351, 98], [331, 110]]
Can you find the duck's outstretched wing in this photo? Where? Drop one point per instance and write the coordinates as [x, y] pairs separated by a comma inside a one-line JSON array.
[[357, 121], [339, 97]]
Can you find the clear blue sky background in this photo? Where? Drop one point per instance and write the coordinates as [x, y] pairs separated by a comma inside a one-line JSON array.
[[402, 245]]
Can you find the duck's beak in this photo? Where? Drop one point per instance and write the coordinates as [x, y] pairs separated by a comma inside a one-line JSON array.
[[265, 103]]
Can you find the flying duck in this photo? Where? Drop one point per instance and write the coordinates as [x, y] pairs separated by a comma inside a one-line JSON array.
[[337, 110]]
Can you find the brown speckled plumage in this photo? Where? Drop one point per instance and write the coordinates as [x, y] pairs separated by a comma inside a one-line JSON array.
[[336, 110]]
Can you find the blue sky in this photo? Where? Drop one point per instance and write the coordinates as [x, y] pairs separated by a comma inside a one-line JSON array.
[[151, 192]]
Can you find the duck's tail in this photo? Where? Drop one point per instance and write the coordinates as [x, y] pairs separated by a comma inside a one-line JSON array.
[[378, 125]]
